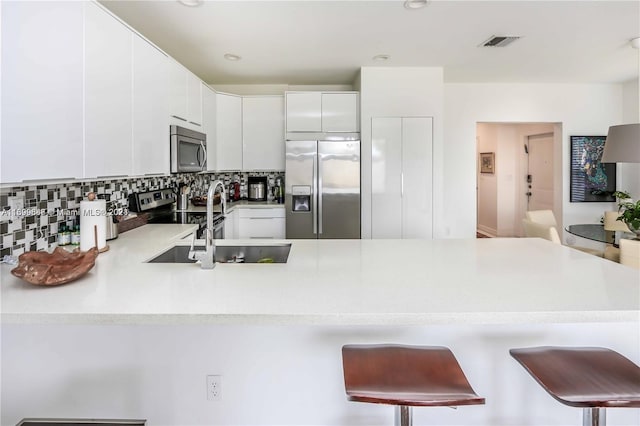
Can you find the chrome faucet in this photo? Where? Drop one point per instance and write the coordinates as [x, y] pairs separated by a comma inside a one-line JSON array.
[[207, 257]]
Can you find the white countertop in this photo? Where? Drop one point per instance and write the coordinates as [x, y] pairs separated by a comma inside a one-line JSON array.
[[386, 282], [231, 206]]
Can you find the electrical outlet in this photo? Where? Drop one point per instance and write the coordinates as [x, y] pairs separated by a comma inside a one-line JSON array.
[[214, 387]]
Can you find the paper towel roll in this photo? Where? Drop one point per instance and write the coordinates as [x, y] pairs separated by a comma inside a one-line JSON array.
[[93, 221]]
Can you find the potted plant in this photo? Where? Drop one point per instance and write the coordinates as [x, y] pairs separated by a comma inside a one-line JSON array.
[[629, 211]]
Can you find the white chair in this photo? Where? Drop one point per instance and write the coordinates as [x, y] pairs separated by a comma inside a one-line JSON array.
[[630, 253], [546, 218], [540, 230], [612, 224]]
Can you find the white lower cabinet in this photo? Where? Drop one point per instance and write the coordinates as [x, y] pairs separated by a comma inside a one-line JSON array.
[[231, 225], [261, 223], [402, 182]]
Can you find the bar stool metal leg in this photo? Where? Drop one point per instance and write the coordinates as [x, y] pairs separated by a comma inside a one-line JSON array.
[[594, 416], [403, 415]]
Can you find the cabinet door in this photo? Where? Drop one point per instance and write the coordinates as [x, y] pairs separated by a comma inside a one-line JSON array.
[[42, 50], [263, 133], [194, 99], [229, 132], [261, 223], [178, 104], [108, 93], [150, 118], [340, 112], [417, 159], [304, 111], [209, 124], [231, 225], [386, 178]]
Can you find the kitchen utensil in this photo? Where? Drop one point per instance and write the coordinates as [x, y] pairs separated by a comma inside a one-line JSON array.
[[183, 201], [112, 227]]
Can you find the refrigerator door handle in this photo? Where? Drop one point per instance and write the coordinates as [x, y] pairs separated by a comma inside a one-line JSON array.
[[320, 189], [314, 194]]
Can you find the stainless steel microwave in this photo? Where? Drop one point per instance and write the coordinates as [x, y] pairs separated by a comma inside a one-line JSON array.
[[188, 150]]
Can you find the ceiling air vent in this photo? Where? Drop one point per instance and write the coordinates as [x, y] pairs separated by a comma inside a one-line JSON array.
[[499, 41]]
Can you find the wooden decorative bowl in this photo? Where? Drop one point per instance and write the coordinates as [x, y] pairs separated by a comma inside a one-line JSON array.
[[59, 267], [202, 201]]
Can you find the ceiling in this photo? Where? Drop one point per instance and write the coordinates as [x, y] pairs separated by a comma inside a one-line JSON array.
[[326, 42]]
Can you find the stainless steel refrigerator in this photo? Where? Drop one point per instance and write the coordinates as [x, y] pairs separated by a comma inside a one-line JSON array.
[[322, 187]]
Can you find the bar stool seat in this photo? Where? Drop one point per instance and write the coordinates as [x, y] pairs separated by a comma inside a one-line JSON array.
[[405, 376], [590, 378]]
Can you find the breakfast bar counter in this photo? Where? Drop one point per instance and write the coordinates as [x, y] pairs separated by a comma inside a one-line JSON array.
[[333, 282]]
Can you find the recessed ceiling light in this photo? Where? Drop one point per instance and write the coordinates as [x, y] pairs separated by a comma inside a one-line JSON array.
[[635, 43], [190, 3], [381, 58], [232, 57], [415, 4]]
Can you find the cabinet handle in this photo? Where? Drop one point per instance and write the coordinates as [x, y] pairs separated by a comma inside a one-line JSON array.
[[194, 123], [111, 176], [47, 180], [179, 118]]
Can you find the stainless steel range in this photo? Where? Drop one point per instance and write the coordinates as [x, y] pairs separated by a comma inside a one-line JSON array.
[[160, 207]]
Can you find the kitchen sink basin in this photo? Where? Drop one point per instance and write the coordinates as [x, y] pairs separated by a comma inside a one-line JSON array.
[[276, 253]]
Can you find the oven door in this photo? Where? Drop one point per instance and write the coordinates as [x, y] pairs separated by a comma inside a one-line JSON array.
[[218, 229]]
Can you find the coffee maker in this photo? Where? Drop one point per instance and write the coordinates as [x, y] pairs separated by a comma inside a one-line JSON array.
[[257, 188]]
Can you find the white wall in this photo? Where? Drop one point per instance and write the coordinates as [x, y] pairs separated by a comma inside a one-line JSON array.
[[581, 109], [487, 141], [274, 375], [629, 174], [399, 92]]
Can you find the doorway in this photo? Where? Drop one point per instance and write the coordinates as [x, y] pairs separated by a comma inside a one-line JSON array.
[[527, 174]]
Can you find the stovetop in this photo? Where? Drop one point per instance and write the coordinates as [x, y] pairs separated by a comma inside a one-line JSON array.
[[160, 207]]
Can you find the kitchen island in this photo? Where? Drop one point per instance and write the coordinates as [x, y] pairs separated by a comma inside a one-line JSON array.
[[136, 340]]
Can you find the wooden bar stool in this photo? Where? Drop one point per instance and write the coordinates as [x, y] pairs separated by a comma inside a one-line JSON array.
[[589, 378], [405, 376]]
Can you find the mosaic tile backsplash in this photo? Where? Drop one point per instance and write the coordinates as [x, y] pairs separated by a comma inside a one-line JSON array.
[[30, 216]]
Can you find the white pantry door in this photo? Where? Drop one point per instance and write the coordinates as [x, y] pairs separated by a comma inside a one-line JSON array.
[[401, 177]]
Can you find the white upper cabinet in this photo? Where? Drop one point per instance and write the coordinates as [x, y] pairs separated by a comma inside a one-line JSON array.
[[340, 112], [304, 111], [228, 132], [263, 133], [108, 94], [209, 124], [41, 90], [150, 112], [185, 94], [194, 99], [178, 103], [322, 112]]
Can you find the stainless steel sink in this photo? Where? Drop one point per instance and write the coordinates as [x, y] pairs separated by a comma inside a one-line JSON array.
[[276, 253]]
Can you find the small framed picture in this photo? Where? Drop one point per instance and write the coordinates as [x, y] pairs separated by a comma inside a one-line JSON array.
[[487, 162]]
